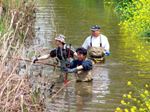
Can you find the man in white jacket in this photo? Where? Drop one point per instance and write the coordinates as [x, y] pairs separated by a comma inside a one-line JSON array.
[[97, 44]]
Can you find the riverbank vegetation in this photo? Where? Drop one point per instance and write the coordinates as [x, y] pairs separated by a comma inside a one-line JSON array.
[[135, 16], [135, 22], [16, 93], [17, 19], [136, 100]]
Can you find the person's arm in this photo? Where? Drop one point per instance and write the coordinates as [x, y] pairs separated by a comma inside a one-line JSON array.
[[72, 68], [43, 57], [73, 64], [86, 65], [79, 67], [107, 46], [51, 54], [40, 58]]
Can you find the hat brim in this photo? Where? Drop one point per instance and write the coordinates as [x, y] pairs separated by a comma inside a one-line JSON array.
[[60, 40], [95, 29]]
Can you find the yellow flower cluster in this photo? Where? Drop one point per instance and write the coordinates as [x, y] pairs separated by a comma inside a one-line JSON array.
[[137, 100]]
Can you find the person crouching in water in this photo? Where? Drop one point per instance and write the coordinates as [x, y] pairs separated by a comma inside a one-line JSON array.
[[81, 66], [62, 52]]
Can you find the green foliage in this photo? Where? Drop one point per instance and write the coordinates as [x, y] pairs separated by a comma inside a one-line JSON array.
[[134, 15], [137, 100], [140, 49], [1, 26], [7, 6]]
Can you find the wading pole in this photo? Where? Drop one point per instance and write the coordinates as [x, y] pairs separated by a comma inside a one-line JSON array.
[[38, 62]]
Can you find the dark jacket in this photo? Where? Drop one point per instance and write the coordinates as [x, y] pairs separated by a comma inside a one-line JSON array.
[[87, 64], [62, 53]]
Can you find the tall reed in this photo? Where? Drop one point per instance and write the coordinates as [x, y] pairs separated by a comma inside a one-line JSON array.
[[17, 22]]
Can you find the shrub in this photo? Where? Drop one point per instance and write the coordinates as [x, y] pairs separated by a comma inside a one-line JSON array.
[[134, 15], [136, 100]]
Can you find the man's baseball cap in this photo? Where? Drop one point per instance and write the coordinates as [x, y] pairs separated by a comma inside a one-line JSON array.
[[95, 28]]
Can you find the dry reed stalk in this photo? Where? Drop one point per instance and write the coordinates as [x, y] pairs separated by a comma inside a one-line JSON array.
[[15, 91], [6, 82], [61, 89], [21, 23], [16, 95], [12, 87], [13, 13], [10, 43], [9, 77], [21, 103]]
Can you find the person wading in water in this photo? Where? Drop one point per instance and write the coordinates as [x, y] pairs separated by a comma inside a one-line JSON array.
[[97, 45], [81, 66], [62, 52]]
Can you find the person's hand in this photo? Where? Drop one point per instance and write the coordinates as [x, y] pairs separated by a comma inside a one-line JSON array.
[[34, 59], [107, 53], [68, 70], [73, 70], [65, 69], [67, 64]]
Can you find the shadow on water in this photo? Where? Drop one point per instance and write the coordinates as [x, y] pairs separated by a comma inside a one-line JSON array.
[[73, 18]]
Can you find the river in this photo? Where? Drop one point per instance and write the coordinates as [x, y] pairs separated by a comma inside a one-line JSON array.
[[129, 59]]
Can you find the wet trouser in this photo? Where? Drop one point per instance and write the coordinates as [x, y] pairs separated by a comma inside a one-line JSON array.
[[63, 75], [84, 76]]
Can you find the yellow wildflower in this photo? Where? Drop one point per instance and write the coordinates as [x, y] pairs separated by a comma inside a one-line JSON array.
[[142, 95], [146, 92], [118, 109], [124, 96], [129, 96], [123, 102], [126, 110], [146, 86], [129, 83]]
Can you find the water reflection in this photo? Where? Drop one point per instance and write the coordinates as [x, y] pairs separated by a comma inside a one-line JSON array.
[[83, 91], [81, 96], [100, 84]]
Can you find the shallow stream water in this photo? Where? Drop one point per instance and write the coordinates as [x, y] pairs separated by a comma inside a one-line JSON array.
[[129, 59]]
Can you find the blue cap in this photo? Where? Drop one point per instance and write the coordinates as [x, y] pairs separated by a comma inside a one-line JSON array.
[[95, 28]]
